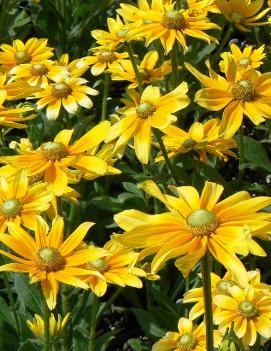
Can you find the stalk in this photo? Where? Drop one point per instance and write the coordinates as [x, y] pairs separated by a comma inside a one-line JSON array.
[[2, 138], [107, 78], [208, 312], [174, 65], [130, 51], [222, 44], [46, 319], [92, 332], [241, 155]]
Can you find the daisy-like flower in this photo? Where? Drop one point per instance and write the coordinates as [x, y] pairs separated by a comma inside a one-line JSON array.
[[48, 258], [13, 117], [38, 74], [247, 310], [240, 93], [147, 70], [220, 286], [16, 90], [21, 203], [114, 266], [72, 66], [103, 60], [144, 112], [203, 138], [162, 21], [243, 13], [33, 51], [58, 160], [56, 325], [249, 58], [68, 92], [120, 31], [188, 338], [199, 7], [196, 224]]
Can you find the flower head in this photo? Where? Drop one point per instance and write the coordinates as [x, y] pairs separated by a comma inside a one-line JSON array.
[[56, 326]]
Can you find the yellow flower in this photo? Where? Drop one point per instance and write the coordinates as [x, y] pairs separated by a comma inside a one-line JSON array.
[[240, 93], [202, 7], [243, 13], [202, 138], [247, 310], [60, 161], [33, 51], [247, 59], [104, 60], [68, 92], [56, 325], [38, 74], [16, 90], [146, 68], [196, 224], [72, 66], [21, 203], [188, 338], [48, 258], [119, 32], [115, 265], [144, 112], [13, 117], [167, 24], [220, 286]]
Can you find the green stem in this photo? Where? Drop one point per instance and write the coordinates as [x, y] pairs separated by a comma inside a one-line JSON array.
[[241, 155], [130, 51], [159, 139], [59, 205], [174, 65], [2, 138], [208, 311], [46, 319], [65, 338], [107, 78], [222, 44], [94, 311]]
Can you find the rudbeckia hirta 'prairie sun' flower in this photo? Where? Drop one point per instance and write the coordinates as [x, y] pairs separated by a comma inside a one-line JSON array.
[[56, 325]]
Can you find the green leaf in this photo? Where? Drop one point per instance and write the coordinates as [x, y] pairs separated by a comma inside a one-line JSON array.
[[102, 342], [29, 295], [148, 323], [138, 345], [254, 152]]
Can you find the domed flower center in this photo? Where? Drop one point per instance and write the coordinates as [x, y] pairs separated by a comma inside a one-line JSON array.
[[245, 61], [49, 259], [201, 222], [236, 17], [52, 151], [60, 90], [22, 57], [38, 69], [173, 19], [145, 109], [223, 286], [243, 90], [99, 265], [122, 33], [145, 74], [187, 342], [106, 57], [188, 143], [11, 207], [248, 309]]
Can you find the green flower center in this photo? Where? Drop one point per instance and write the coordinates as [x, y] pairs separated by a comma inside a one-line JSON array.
[[223, 286], [245, 62], [39, 69], [106, 57], [173, 19], [49, 259], [52, 151], [236, 17], [99, 265], [248, 309], [22, 57], [61, 90], [189, 143], [145, 109], [187, 342], [201, 222], [11, 207], [243, 90]]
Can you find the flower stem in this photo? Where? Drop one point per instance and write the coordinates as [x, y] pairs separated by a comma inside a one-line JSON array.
[[208, 311], [222, 44], [159, 139], [107, 78], [94, 311], [174, 65], [130, 51], [2, 138], [241, 155], [46, 319]]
